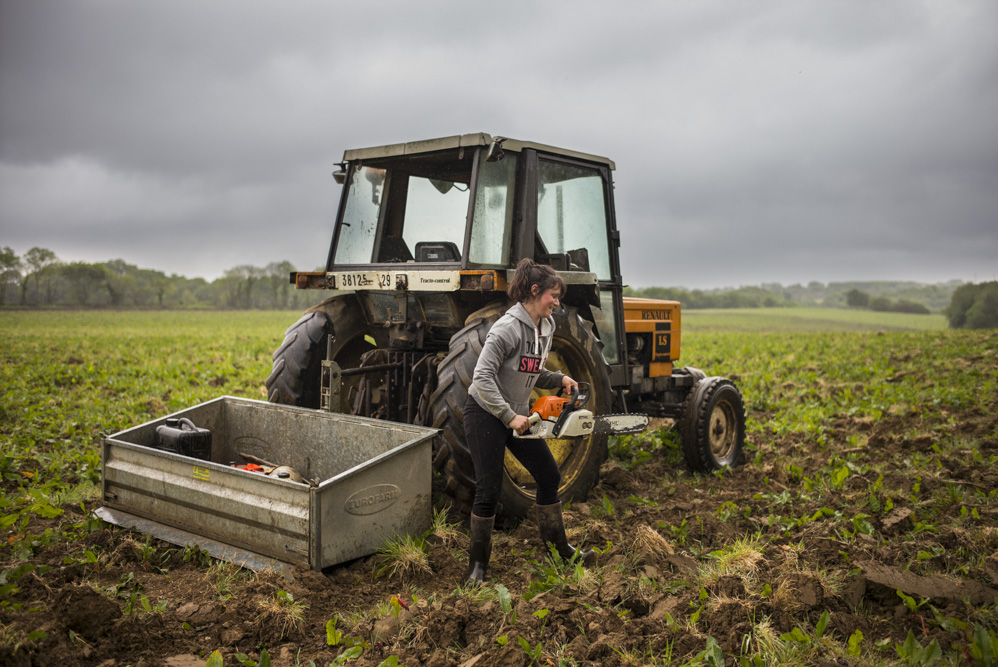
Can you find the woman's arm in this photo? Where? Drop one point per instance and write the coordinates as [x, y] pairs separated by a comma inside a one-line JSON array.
[[498, 347], [551, 379]]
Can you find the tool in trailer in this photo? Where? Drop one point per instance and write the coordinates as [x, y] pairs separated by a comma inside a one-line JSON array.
[[271, 469], [566, 417]]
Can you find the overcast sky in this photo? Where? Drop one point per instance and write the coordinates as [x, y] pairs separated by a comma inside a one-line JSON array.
[[754, 141]]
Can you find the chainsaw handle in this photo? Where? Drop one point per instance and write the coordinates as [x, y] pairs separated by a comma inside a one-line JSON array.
[[579, 398], [534, 419]]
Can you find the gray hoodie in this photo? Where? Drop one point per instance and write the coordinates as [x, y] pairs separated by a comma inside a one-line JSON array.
[[512, 363]]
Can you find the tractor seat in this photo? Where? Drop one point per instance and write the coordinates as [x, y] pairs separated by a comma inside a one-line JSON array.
[[437, 251]]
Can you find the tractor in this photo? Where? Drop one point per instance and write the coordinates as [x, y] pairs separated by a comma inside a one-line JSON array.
[[425, 240]]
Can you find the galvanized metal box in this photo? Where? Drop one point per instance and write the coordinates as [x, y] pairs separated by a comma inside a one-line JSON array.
[[369, 481]]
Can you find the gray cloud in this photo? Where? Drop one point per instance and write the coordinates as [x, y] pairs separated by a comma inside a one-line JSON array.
[[762, 142]]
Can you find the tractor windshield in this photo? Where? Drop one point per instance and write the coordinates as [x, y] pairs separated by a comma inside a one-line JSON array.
[[408, 209]]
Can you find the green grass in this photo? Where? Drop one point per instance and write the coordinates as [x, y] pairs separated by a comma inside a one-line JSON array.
[[806, 378], [59, 324], [67, 377], [806, 320]]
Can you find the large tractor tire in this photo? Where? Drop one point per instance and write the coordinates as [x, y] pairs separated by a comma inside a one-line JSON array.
[[712, 428], [575, 351], [294, 378]]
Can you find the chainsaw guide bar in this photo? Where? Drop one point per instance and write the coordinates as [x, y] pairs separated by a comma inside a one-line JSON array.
[[564, 417], [582, 423], [620, 424]]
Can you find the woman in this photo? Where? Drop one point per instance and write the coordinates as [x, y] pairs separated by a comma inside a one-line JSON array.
[[510, 366]]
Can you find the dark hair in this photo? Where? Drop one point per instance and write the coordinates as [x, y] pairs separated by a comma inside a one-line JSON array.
[[530, 273]]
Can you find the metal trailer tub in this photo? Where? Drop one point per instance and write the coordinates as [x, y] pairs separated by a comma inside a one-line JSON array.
[[367, 480]]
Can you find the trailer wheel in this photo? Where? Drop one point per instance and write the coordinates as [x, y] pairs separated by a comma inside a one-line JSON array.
[[713, 425], [575, 351], [294, 378]]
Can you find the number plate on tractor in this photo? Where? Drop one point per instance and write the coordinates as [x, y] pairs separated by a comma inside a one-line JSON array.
[[413, 281], [364, 280]]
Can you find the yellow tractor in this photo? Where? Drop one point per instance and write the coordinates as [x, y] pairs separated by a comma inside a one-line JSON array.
[[425, 240]]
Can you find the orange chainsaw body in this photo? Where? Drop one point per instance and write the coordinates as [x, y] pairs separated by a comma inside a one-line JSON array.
[[549, 407]]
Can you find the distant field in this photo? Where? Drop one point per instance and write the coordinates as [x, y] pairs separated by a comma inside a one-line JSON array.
[[807, 320]]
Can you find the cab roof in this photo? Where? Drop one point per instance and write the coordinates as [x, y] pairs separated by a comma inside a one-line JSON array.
[[457, 141]]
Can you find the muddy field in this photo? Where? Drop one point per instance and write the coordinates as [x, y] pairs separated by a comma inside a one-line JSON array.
[[834, 545]]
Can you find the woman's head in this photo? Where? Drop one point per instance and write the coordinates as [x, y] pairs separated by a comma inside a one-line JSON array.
[[532, 280]]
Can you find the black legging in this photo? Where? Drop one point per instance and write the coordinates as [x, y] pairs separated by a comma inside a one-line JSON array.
[[488, 439]]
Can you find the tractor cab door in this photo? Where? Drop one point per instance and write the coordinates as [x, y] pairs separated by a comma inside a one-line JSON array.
[[575, 227]]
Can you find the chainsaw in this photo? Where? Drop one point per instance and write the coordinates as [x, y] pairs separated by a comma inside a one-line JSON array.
[[566, 417]]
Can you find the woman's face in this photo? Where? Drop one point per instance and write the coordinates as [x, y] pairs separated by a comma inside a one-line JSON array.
[[547, 301]]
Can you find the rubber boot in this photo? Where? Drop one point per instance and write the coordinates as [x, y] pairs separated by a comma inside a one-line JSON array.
[[552, 529], [480, 551]]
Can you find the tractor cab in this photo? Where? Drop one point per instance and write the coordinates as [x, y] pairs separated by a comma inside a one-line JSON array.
[[455, 214], [474, 202]]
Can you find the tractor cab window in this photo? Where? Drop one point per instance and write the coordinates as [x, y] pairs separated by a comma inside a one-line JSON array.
[[492, 225], [411, 209], [435, 214], [359, 228], [571, 213]]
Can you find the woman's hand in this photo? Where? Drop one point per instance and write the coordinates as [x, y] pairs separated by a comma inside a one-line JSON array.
[[519, 423], [567, 383]]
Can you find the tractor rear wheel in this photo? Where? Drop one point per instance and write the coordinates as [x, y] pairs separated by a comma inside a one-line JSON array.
[[576, 352], [294, 378], [713, 425]]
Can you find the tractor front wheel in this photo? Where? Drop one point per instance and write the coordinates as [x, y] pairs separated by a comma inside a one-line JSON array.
[[713, 425]]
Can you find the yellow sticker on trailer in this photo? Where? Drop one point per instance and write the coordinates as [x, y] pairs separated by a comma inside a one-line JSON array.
[[201, 473]]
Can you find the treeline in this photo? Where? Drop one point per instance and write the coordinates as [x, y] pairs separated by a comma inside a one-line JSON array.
[[40, 279], [908, 297], [974, 306], [857, 298], [742, 297]]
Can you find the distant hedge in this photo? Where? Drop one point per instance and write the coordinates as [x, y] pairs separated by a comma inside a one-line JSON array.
[[905, 306], [974, 306], [884, 304]]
